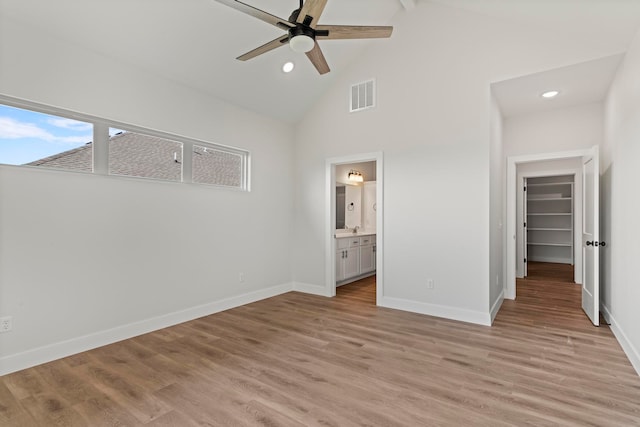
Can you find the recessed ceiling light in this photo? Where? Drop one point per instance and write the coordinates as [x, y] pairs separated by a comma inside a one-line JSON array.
[[550, 94], [288, 67]]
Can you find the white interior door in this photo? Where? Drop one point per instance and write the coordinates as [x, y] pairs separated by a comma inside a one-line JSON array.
[[590, 236], [525, 234]]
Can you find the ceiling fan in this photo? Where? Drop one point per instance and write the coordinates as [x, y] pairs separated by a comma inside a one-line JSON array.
[[303, 31]]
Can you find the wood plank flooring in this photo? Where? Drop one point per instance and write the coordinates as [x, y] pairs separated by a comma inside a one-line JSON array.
[[550, 271], [303, 360]]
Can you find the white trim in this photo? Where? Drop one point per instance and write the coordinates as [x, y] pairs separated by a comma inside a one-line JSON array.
[[496, 306], [512, 162], [330, 219], [100, 149], [379, 228], [632, 353], [44, 354], [308, 288], [447, 312]]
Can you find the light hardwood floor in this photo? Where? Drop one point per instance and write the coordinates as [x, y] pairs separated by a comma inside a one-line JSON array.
[[305, 360], [549, 271]]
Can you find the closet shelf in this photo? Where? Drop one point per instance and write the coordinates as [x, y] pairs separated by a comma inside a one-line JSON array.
[[549, 216], [549, 184]]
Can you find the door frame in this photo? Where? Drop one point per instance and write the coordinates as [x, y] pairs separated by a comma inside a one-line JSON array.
[[511, 196], [330, 219]]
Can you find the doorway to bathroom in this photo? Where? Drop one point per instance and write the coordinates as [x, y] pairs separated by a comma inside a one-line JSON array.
[[354, 242]]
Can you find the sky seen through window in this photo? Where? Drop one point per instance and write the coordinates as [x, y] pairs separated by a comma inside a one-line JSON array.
[[26, 136]]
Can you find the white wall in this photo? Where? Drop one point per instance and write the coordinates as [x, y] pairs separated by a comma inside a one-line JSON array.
[[87, 259], [432, 121], [620, 205], [497, 207], [565, 129]]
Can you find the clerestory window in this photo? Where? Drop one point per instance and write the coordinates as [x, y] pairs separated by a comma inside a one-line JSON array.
[[73, 142]]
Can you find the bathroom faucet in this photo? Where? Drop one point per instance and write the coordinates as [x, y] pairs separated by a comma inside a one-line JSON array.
[[355, 229]]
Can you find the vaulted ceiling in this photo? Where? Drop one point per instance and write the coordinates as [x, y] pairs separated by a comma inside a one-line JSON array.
[[195, 42]]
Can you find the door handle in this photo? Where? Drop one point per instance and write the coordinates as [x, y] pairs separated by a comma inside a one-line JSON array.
[[589, 243], [595, 244]]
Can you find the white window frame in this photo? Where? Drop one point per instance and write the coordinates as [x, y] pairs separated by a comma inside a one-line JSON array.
[[101, 148]]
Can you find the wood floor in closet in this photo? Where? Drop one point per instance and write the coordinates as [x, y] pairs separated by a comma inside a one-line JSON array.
[[304, 360]]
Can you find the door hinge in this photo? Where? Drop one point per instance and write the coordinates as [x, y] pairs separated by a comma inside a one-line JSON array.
[[525, 260], [525, 188], [525, 224]]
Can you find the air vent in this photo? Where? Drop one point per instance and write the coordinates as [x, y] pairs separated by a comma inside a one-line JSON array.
[[362, 96]]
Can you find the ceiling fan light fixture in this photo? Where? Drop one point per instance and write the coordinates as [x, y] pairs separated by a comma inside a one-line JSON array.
[[301, 43]]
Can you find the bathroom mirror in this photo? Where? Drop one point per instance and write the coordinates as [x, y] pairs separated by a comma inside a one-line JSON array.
[[340, 197], [348, 206]]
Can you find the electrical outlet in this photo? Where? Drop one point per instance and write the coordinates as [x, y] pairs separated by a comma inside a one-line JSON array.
[[6, 323], [241, 277], [430, 284]]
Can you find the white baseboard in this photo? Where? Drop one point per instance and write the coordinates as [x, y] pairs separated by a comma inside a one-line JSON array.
[[496, 306], [629, 349], [447, 312], [308, 288], [37, 356]]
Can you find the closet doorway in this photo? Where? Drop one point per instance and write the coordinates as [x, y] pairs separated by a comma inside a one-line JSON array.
[[585, 213], [548, 216], [549, 227]]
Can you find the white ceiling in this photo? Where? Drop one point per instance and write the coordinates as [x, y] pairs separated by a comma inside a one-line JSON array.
[[611, 24], [195, 42], [582, 83]]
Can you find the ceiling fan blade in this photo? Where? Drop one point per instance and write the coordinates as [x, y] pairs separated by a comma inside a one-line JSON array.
[[312, 9], [317, 59], [273, 44], [257, 13], [337, 32]]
